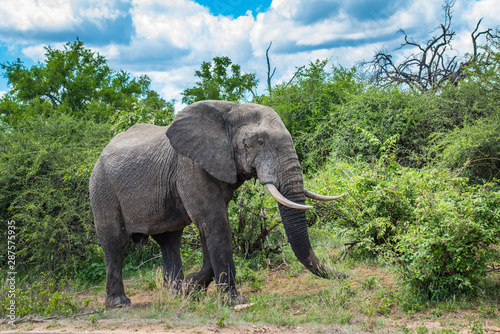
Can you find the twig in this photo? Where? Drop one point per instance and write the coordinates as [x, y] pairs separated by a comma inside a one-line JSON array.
[[344, 252], [55, 317], [492, 269], [157, 256], [350, 178], [91, 288]]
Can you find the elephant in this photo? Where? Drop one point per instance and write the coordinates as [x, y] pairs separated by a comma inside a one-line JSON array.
[[154, 181]]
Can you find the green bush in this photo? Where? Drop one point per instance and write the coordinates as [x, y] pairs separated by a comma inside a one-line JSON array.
[[439, 230], [45, 168], [451, 243], [472, 150], [255, 222], [473, 146], [42, 296]]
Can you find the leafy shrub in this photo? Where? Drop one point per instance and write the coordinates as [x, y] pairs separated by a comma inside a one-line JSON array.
[[448, 248], [473, 150], [306, 103], [437, 228], [42, 297], [45, 168], [473, 146], [255, 222]]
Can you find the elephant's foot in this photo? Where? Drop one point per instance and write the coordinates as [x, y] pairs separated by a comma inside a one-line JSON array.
[[338, 275], [233, 299], [175, 286], [117, 301], [198, 281]]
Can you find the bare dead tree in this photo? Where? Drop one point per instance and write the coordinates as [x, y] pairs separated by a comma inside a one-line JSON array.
[[431, 67], [269, 74]]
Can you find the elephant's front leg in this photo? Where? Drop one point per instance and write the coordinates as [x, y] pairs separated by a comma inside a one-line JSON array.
[[206, 200], [217, 235]]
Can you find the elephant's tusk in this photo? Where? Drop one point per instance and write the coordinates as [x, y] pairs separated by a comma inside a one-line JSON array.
[[318, 197], [281, 199]]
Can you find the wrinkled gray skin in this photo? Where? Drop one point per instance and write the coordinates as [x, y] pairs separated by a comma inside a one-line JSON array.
[[154, 181]]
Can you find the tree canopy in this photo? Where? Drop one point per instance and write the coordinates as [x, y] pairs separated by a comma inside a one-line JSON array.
[[77, 80], [217, 84]]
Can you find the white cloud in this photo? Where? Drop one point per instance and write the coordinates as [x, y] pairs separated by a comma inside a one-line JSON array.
[[339, 35], [187, 25], [34, 21], [35, 52], [489, 10], [27, 15], [168, 40]]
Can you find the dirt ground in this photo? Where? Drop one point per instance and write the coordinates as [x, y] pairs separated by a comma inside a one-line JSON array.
[[127, 320]]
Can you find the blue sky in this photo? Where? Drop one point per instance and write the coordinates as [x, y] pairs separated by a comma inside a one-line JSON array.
[[169, 39]]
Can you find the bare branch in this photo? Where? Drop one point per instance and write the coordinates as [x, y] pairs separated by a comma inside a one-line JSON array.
[[269, 74], [431, 67]]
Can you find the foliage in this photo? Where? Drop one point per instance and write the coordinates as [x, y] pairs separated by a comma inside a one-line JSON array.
[[473, 150], [45, 168], [435, 227], [152, 110], [42, 296], [474, 147], [73, 80], [255, 222], [306, 103], [450, 245], [322, 110], [216, 84], [385, 114]]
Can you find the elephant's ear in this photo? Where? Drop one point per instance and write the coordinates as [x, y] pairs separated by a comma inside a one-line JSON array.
[[200, 133]]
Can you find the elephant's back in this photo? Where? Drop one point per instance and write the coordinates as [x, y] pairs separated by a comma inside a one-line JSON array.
[[139, 141], [137, 136], [141, 151]]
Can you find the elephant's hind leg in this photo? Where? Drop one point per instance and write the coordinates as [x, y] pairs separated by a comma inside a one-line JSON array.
[[170, 245], [114, 241], [114, 253], [201, 279]]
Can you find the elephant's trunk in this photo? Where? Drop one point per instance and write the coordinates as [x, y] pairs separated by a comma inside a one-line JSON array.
[[294, 220], [295, 223]]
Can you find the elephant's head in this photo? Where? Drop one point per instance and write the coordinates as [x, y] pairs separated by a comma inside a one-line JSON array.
[[235, 142]]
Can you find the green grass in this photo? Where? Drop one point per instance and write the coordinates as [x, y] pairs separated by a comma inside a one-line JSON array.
[[283, 295]]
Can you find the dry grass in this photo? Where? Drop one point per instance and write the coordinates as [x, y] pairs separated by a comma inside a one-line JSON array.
[[285, 302]]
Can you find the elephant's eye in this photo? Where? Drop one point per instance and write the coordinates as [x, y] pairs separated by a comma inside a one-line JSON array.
[[253, 141]]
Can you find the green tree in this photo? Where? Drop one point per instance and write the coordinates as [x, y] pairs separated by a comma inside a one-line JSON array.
[[153, 110], [73, 79], [216, 83]]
